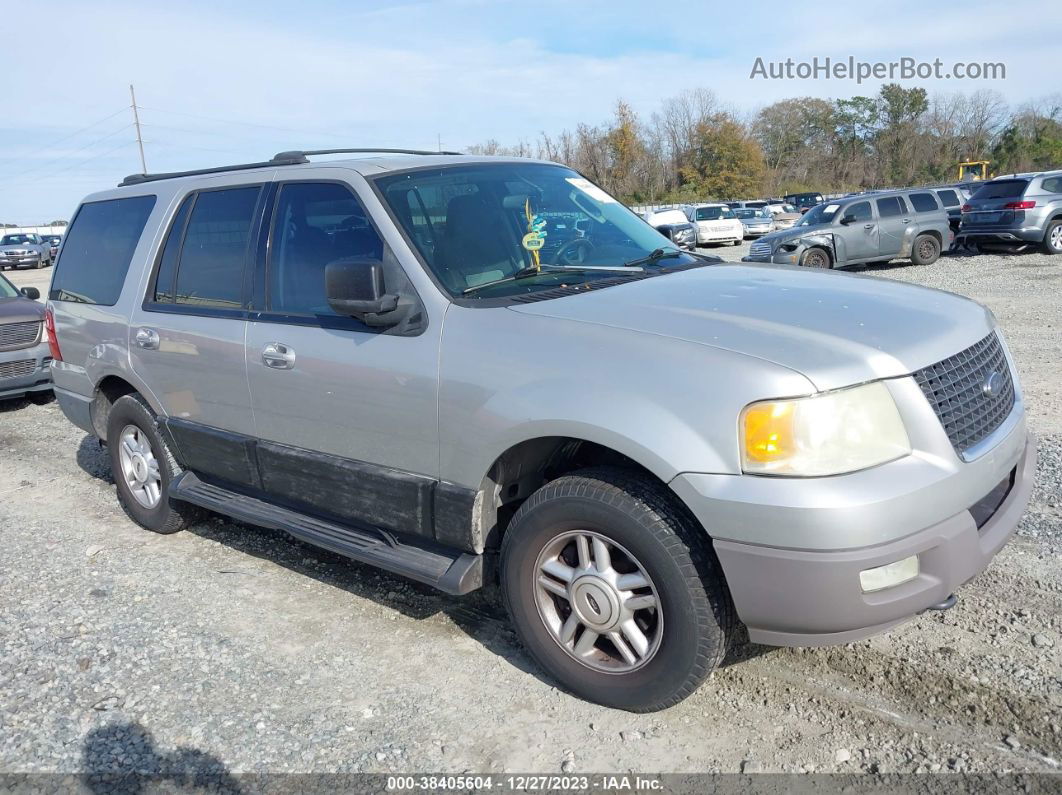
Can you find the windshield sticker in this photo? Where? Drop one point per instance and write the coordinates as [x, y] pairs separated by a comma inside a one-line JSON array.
[[830, 208], [591, 190]]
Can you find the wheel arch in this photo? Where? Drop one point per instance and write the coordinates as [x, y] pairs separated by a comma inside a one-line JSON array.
[[108, 390]]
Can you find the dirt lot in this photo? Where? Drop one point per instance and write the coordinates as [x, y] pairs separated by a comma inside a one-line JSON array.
[[234, 648]]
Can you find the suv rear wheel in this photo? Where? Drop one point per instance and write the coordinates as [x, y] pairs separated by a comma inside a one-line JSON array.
[[925, 251], [1053, 238], [143, 467], [615, 591]]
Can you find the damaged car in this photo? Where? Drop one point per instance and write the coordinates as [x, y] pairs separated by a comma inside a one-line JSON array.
[[860, 229]]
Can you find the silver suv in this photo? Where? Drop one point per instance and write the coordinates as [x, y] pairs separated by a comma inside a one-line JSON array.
[[458, 368], [1015, 210], [866, 227]]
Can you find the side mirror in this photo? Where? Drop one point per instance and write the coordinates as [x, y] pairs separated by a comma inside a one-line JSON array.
[[848, 219], [31, 292], [355, 287]]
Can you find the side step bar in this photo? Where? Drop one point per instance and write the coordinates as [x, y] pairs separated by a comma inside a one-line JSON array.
[[454, 573]]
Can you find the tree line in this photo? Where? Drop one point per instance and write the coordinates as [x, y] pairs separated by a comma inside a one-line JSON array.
[[694, 147]]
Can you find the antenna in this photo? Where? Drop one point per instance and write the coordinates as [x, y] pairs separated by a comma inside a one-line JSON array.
[[139, 138]]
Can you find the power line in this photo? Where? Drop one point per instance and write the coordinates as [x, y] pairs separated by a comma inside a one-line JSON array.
[[64, 138], [246, 123], [79, 163], [47, 163]]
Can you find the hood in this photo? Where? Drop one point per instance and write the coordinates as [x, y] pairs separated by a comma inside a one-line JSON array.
[[793, 233], [20, 310], [837, 329]]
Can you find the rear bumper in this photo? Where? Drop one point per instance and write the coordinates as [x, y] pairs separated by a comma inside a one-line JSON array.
[[31, 368], [813, 598], [1014, 235], [77, 408]]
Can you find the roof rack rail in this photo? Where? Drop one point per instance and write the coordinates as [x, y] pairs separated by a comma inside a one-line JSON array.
[[305, 153], [293, 158]]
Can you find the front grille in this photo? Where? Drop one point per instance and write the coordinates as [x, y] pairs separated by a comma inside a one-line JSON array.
[[16, 369], [957, 390], [19, 335], [760, 249]]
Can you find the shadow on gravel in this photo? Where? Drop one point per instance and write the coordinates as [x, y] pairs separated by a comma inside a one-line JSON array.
[[93, 460], [123, 758]]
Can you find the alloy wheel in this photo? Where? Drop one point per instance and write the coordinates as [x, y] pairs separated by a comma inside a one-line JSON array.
[[140, 469]]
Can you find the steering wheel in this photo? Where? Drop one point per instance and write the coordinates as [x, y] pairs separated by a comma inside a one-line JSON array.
[[575, 252]]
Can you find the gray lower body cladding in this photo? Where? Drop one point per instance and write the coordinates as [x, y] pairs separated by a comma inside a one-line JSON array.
[[814, 598]]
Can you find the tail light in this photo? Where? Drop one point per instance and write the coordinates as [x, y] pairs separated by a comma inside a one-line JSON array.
[[965, 208], [49, 332], [1019, 205]]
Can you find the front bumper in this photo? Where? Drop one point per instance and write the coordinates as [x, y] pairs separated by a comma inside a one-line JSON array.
[[717, 236], [777, 258], [753, 232], [27, 371], [800, 598], [29, 260]]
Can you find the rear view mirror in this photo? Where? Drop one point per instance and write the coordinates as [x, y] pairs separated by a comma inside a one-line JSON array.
[[355, 287], [31, 292]]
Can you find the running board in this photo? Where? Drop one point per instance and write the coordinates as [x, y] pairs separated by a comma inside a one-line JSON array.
[[454, 573]]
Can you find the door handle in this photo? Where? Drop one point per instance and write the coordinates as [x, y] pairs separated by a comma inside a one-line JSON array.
[[147, 338], [868, 226], [907, 220], [278, 356]]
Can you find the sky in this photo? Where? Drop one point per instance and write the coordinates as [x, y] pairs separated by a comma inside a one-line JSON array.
[[238, 81]]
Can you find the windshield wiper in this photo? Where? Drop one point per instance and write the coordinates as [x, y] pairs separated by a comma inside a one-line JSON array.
[[531, 270], [654, 256]]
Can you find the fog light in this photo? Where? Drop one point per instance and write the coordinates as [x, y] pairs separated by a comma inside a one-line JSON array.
[[889, 575]]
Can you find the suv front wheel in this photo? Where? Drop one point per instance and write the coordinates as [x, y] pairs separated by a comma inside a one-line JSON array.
[[615, 590]]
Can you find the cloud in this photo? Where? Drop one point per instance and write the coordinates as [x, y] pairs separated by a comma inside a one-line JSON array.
[[401, 74]]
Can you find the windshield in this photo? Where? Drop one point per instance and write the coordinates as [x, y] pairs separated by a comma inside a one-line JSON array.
[[7, 289], [16, 240], [713, 213], [1004, 189], [819, 214], [534, 225]]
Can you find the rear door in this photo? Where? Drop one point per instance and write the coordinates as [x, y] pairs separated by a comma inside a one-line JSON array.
[[187, 336], [893, 218], [347, 414]]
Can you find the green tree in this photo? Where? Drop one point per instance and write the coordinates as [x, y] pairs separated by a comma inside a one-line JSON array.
[[725, 161]]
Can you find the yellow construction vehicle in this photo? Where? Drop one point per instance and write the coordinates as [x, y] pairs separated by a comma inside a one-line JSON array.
[[973, 169]]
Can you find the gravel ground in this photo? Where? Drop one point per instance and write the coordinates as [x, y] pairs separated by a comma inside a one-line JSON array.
[[234, 649]]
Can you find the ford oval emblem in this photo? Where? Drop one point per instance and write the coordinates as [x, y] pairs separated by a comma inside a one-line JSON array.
[[992, 384]]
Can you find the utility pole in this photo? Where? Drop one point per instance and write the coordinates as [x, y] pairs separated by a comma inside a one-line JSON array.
[[136, 123], [438, 139]]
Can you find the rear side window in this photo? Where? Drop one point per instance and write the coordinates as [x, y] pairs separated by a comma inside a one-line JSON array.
[[948, 197], [923, 202], [207, 246], [98, 249], [890, 207], [1001, 189]]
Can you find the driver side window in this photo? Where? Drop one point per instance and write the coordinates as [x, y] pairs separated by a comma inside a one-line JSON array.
[[314, 223], [860, 211]]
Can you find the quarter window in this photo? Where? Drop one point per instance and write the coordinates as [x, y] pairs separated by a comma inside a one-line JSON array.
[[923, 202], [890, 207], [948, 197], [315, 224], [98, 250], [1053, 185]]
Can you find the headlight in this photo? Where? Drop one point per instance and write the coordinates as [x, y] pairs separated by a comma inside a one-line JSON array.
[[826, 434]]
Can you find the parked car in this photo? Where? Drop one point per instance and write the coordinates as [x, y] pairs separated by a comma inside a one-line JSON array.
[[674, 225], [753, 204], [757, 222], [785, 215], [953, 197], [878, 227], [1016, 210], [652, 446], [52, 241], [804, 201], [22, 250], [24, 353], [716, 223]]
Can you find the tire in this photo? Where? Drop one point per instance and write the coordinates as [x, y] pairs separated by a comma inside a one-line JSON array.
[[925, 250], [647, 531], [166, 515], [1052, 238], [816, 258]]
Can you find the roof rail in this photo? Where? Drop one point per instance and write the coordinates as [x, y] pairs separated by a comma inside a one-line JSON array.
[[293, 158], [305, 153]]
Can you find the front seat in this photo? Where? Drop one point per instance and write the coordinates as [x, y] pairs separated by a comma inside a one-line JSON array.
[[477, 245]]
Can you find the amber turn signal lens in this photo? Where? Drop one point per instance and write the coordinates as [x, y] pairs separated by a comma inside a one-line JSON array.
[[768, 431]]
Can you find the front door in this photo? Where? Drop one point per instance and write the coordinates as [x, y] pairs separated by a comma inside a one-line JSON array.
[[859, 232], [187, 339], [346, 413]]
